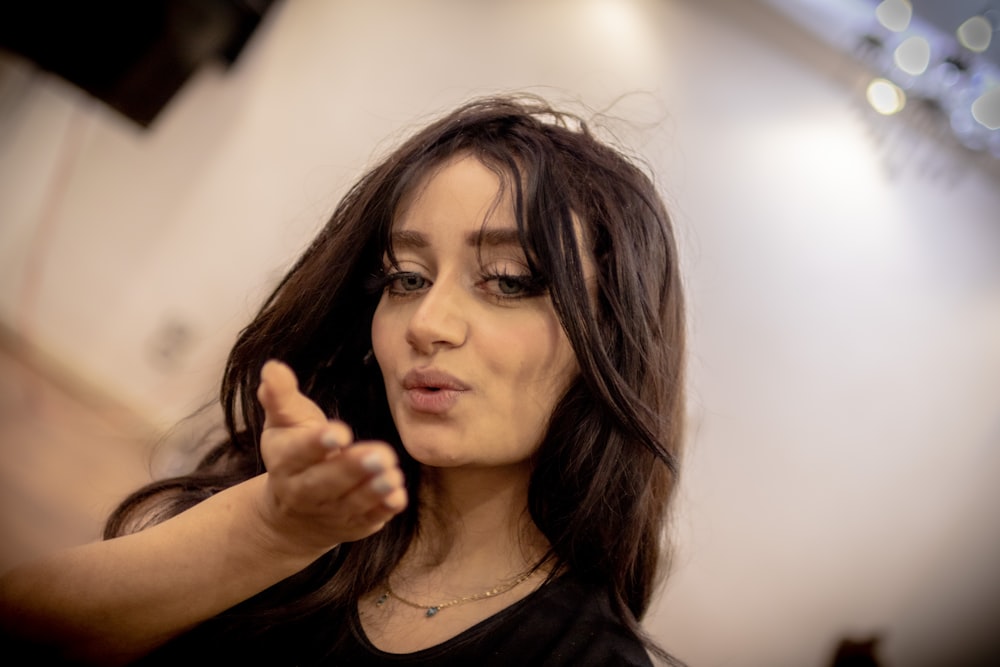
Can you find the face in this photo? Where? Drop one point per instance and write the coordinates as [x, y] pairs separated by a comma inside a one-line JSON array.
[[471, 350]]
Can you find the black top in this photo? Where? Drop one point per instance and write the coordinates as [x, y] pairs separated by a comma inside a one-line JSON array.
[[561, 624], [564, 623]]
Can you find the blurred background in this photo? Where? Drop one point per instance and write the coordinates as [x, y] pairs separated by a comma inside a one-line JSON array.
[[833, 169]]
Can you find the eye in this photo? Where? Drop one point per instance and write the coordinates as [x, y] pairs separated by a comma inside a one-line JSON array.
[[510, 285], [505, 286], [406, 282]]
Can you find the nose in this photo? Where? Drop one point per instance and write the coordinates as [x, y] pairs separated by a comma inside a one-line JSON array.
[[439, 320]]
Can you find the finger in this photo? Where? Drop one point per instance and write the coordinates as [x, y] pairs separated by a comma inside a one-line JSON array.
[[386, 490], [290, 451], [283, 403], [381, 515], [377, 500], [383, 490], [395, 499], [355, 480]]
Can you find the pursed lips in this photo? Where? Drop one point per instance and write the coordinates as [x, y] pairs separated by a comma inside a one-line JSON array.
[[432, 391], [431, 379]]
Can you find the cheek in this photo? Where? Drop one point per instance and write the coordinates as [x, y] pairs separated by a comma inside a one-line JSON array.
[[381, 335], [541, 360], [542, 375], [562, 369]]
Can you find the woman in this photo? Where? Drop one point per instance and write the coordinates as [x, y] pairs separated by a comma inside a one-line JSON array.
[[465, 453]]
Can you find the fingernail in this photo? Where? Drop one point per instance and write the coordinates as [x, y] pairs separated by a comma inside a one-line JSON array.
[[381, 485], [372, 463], [330, 440]]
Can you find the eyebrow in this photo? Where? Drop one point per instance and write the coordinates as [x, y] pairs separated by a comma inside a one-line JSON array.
[[405, 239], [493, 237]]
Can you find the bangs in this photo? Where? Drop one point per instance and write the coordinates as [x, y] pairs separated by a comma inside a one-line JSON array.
[[512, 184]]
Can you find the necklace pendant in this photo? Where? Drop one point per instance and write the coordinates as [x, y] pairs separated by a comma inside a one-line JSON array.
[[432, 610]]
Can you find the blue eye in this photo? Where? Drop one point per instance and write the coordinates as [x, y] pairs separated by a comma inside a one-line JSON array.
[[405, 282], [504, 286], [510, 285]]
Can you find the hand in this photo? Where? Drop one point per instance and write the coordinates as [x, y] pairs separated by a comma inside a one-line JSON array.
[[320, 491]]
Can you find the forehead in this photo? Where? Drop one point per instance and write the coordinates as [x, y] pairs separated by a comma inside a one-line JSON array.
[[459, 187], [461, 198]]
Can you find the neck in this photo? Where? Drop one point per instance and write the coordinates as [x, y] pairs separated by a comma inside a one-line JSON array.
[[475, 521]]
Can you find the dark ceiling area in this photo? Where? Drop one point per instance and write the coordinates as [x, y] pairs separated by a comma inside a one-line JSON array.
[[132, 55]]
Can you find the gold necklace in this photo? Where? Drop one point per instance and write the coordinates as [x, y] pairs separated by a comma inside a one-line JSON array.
[[432, 609]]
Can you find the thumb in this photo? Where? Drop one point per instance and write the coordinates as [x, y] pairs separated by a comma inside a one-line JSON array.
[[283, 403]]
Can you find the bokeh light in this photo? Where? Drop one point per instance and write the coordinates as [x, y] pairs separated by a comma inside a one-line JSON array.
[[913, 55], [986, 108], [894, 14], [975, 34], [885, 97]]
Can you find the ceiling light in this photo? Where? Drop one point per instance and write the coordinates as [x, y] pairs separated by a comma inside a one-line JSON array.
[[986, 108], [885, 97], [913, 55], [975, 34], [894, 14]]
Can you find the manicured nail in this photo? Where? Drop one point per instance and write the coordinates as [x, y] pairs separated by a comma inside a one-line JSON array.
[[330, 440], [372, 463], [381, 485]]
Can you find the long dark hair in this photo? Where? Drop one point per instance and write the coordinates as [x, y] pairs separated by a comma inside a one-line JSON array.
[[607, 466]]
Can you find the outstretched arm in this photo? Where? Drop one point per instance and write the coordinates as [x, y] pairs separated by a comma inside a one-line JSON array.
[[112, 601]]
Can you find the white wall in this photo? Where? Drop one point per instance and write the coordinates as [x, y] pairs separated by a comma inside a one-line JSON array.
[[845, 372]]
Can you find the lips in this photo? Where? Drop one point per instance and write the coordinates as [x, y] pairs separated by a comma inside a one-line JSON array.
[[429, 378], [432, 391]]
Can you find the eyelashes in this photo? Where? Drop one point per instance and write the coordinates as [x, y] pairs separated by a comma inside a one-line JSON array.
[[498, 285], [514, 286], [377, 283], [405, 282]]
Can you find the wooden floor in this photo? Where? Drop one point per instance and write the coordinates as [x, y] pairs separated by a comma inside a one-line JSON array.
[[67, 456]]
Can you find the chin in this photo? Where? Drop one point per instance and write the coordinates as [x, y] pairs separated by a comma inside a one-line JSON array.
[[434, 453]]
